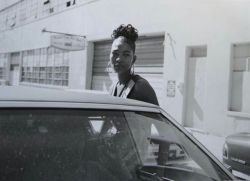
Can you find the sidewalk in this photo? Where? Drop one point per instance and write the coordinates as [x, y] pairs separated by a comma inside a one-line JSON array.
[[213, 143]]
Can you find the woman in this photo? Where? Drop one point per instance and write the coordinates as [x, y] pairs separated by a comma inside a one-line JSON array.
[[122, 59]]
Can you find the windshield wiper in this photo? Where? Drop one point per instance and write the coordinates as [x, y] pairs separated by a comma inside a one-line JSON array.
[[144, 175]]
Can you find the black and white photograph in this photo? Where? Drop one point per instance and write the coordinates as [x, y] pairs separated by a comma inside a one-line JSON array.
[[124, 90]]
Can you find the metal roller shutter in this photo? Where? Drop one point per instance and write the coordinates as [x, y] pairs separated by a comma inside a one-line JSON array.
[[149, 63]]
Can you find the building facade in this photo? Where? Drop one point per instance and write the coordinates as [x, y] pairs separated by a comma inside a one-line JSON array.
[[194, 53]]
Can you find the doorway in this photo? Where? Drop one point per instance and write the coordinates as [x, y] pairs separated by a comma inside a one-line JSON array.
[[14, 68], [14, 75], [195, 82]]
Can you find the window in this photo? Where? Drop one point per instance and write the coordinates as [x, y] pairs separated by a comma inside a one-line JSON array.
[[27, 11], [3, 66], [240, 82], [65, 145], [49, 66], [46, 2], [68, 3]]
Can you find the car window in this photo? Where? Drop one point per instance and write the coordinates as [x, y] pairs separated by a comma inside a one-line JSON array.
[[65, 145], [162, 145], [95, 145]]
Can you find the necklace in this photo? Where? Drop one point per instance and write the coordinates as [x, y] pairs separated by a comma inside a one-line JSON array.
[[120, 89]]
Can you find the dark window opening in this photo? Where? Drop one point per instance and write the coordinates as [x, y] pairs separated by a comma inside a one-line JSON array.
[[68, 3], [46, 2]]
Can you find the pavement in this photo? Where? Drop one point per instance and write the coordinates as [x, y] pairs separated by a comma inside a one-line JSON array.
[[215, 145]]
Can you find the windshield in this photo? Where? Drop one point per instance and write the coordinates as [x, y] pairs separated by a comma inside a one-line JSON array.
[[167, 153], [93, 145]]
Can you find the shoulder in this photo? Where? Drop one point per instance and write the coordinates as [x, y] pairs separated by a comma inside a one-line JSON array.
[[141, 83], [143, 90]]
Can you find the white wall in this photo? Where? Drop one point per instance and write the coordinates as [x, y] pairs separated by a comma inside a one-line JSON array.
[[214, 23], [31, 37], [76, 68], [7, 3]]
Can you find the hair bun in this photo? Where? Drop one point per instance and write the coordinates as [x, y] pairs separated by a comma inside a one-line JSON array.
[[127, 31]]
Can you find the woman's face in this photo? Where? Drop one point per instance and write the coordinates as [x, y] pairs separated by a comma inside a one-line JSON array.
[[121, 55]]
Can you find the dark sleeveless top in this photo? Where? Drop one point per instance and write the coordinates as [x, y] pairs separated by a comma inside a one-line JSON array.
[[137, 88]]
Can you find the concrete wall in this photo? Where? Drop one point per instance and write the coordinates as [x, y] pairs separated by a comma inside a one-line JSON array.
[[30, 36], [213, 23], [4, 4]]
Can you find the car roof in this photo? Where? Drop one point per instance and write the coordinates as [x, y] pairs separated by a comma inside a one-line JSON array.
[[26, 96]]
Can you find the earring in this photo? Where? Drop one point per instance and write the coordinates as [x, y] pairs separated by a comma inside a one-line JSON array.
[[108, 68], [132, 69]]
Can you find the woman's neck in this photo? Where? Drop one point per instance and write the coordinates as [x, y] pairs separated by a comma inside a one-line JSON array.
[[124, 77]]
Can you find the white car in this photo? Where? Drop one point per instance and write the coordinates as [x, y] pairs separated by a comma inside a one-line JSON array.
[[73, 136]]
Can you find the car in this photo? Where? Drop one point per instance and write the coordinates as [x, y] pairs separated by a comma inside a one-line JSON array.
[[236, 152], [70, 135]]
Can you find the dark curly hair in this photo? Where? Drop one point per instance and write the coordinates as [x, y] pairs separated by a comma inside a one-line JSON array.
[[127, 31]]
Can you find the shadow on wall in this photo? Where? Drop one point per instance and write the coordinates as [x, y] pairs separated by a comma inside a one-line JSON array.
[[195, 92]]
